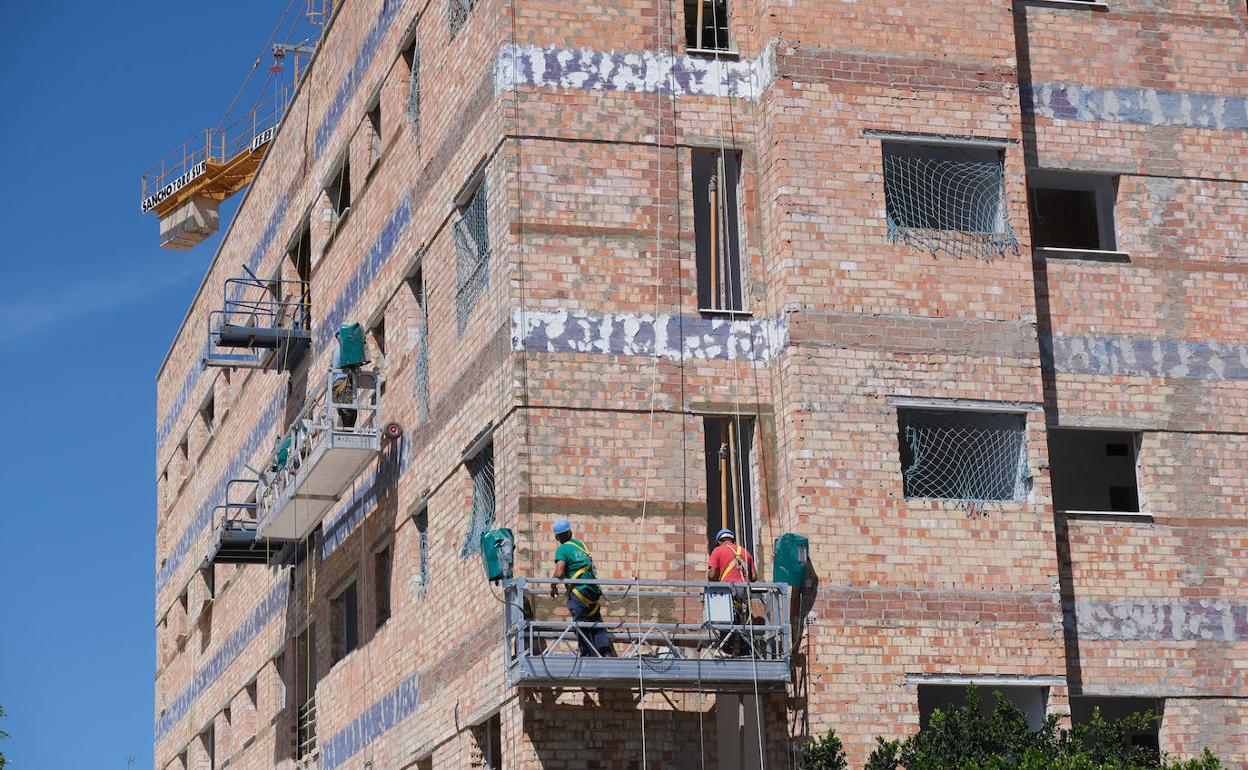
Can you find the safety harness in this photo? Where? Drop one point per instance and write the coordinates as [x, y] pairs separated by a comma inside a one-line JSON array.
[[737, 562], [591, 606]]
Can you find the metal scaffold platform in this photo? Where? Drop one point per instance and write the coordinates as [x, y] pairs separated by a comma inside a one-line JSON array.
[[261, 325], [234, 537], [676, 635], [331, 441]]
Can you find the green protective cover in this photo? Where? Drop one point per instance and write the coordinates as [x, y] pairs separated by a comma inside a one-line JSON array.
[[283, 455], [491, 544], [789, 563], [350, 345]]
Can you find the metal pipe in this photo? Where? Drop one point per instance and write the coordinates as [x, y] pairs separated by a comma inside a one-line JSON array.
[[735, 470], [711, 198]]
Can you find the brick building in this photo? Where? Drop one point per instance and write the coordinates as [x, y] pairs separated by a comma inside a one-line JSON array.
[[954, 290]]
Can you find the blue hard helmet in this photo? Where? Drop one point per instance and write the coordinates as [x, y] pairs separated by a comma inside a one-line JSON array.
[[723, 533], [560, 526]]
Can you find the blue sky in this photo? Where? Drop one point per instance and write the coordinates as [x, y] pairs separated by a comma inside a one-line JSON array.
[[94, 93]]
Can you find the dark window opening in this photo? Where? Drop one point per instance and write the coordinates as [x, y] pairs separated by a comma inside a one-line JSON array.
[[963, 455], [728, 442], [706, 25], [344, 620], [1115, 708], [1030, 700], [207, 743], [1093, 470], [339, 190], [716, 225], [302, 676], [1072, 211], [382, 567]]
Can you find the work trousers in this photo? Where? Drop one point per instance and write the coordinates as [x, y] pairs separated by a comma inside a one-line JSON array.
[[599, 636]]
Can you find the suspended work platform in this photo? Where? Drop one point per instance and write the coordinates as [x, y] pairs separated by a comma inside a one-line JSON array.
[[335, 436], [261, 325], [686, 636], [234, 539]]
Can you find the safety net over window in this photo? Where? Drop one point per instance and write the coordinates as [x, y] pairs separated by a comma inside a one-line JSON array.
[[967, 456], [947, 199], [481, 469], [472, 255]]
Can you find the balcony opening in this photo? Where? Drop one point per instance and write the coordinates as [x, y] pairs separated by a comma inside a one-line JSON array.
[[706, 26], [1094, 471], [299, 264], [302, 675], [208, 414], [728, 441], [1030, 700], [1072, 211], [968, 456], [716, 225], [1115, 708], [947, 199], [422, 546]]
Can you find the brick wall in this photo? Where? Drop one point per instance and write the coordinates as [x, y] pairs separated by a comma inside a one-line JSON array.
[[586, 354]]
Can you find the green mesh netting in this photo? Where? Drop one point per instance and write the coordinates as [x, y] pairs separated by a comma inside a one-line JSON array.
[[947, 200], [967, 456]]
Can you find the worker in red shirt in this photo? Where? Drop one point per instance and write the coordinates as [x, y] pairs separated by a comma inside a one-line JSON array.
[[731, 563]]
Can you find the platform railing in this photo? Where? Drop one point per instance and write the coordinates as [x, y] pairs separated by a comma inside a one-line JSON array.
[[670, 634], [259, 315]]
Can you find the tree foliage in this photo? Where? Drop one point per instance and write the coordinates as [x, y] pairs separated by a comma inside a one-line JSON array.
[[963, 738], [824, 753]]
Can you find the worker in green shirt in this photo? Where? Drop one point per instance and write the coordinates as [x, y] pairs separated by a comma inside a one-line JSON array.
[[573, 561]]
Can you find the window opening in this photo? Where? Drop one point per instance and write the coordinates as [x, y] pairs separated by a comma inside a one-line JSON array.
[[716, 225], [1030, 700], [412, 58], [963, 455], [422, 535], [207, 745], [472, 253], [1094, 470], [1072, 211], [488, 737], [481, 470], [374, 127], [339, 191], [706, 25], [300, 257], [947, 199], [344, 619], [457, 12], [208, 414], [382, 567], [1115, 708], [418, 333], [729, 498]]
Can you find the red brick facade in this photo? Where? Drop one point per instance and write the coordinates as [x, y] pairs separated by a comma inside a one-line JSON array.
[[587, 356]]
